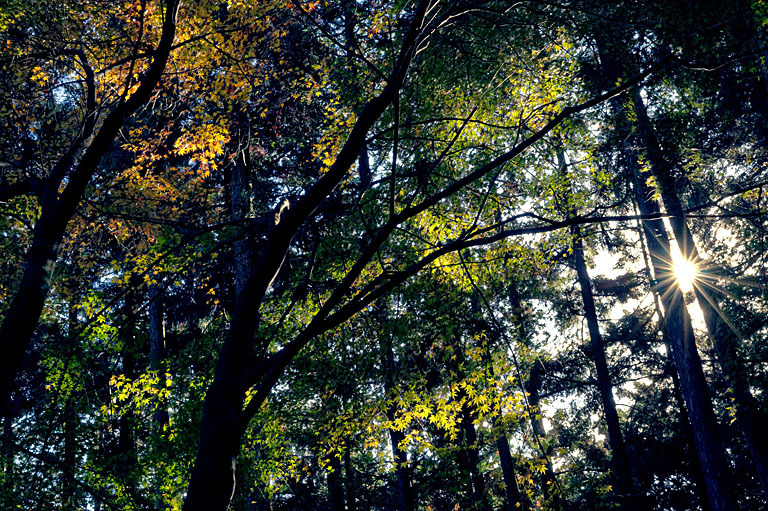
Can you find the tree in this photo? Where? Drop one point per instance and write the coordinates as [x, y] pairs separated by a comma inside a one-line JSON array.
[[317, 254], [72, 171]]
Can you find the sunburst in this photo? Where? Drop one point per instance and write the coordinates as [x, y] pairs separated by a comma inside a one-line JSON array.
[[686, 272]]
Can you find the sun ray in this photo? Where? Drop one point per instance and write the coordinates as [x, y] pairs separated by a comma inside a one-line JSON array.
[[716, 308]]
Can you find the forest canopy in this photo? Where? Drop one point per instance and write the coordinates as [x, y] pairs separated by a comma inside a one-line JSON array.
[[396, 255]]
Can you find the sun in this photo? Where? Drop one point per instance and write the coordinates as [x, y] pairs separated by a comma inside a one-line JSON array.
[[685, 273]]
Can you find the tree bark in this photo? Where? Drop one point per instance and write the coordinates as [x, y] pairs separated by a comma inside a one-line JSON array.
[[157, 350], [9, 478], [403, 494], [513, 498], [684, 422], [619, 462], [69, 495], [335, 485], [240, 208], [471, 460], [349, 479], [677, 324], [677, 327], [748, 411], [533, 388]]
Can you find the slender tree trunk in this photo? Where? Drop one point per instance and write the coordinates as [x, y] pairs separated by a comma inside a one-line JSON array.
[[619, 462], [748, 412], [157, 349], [683, 420], [349, 479], [126, 456], [677, 327], [69, 457], [677, 324], [513, 498], [335, 485], [403, 494], [684, 423], [8, 488], [533, 389], [241, 206], [471, 460]]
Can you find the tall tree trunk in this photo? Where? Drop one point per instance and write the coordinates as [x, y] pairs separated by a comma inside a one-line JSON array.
[[8, 488], [403, 494], [512, 496], [240, 209], [244, 363], [335, 484], [683, 420], [471, 460], [212, 482], [533, 389], [69, 497], [349, 479], [677, 328], [619, 462], [748, 411], [157, 350], [514, 499], [677, 323], [125, 453]]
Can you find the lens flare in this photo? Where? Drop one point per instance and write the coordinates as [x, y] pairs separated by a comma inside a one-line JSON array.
[[685, 273]]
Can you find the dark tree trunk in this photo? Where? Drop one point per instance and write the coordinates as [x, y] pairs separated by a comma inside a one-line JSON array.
[[748, 412], [240, 365], [533, 388], [471, 460], [514, 500], [125, 454], [403, 494], [335, 484], [8, 488], [69, 494], [58, 207], [677, 324], [157, 350], [619, 462], [69, 497], [349, 479], [212, 482], [240, 209], [683, 420], [677, 328]]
